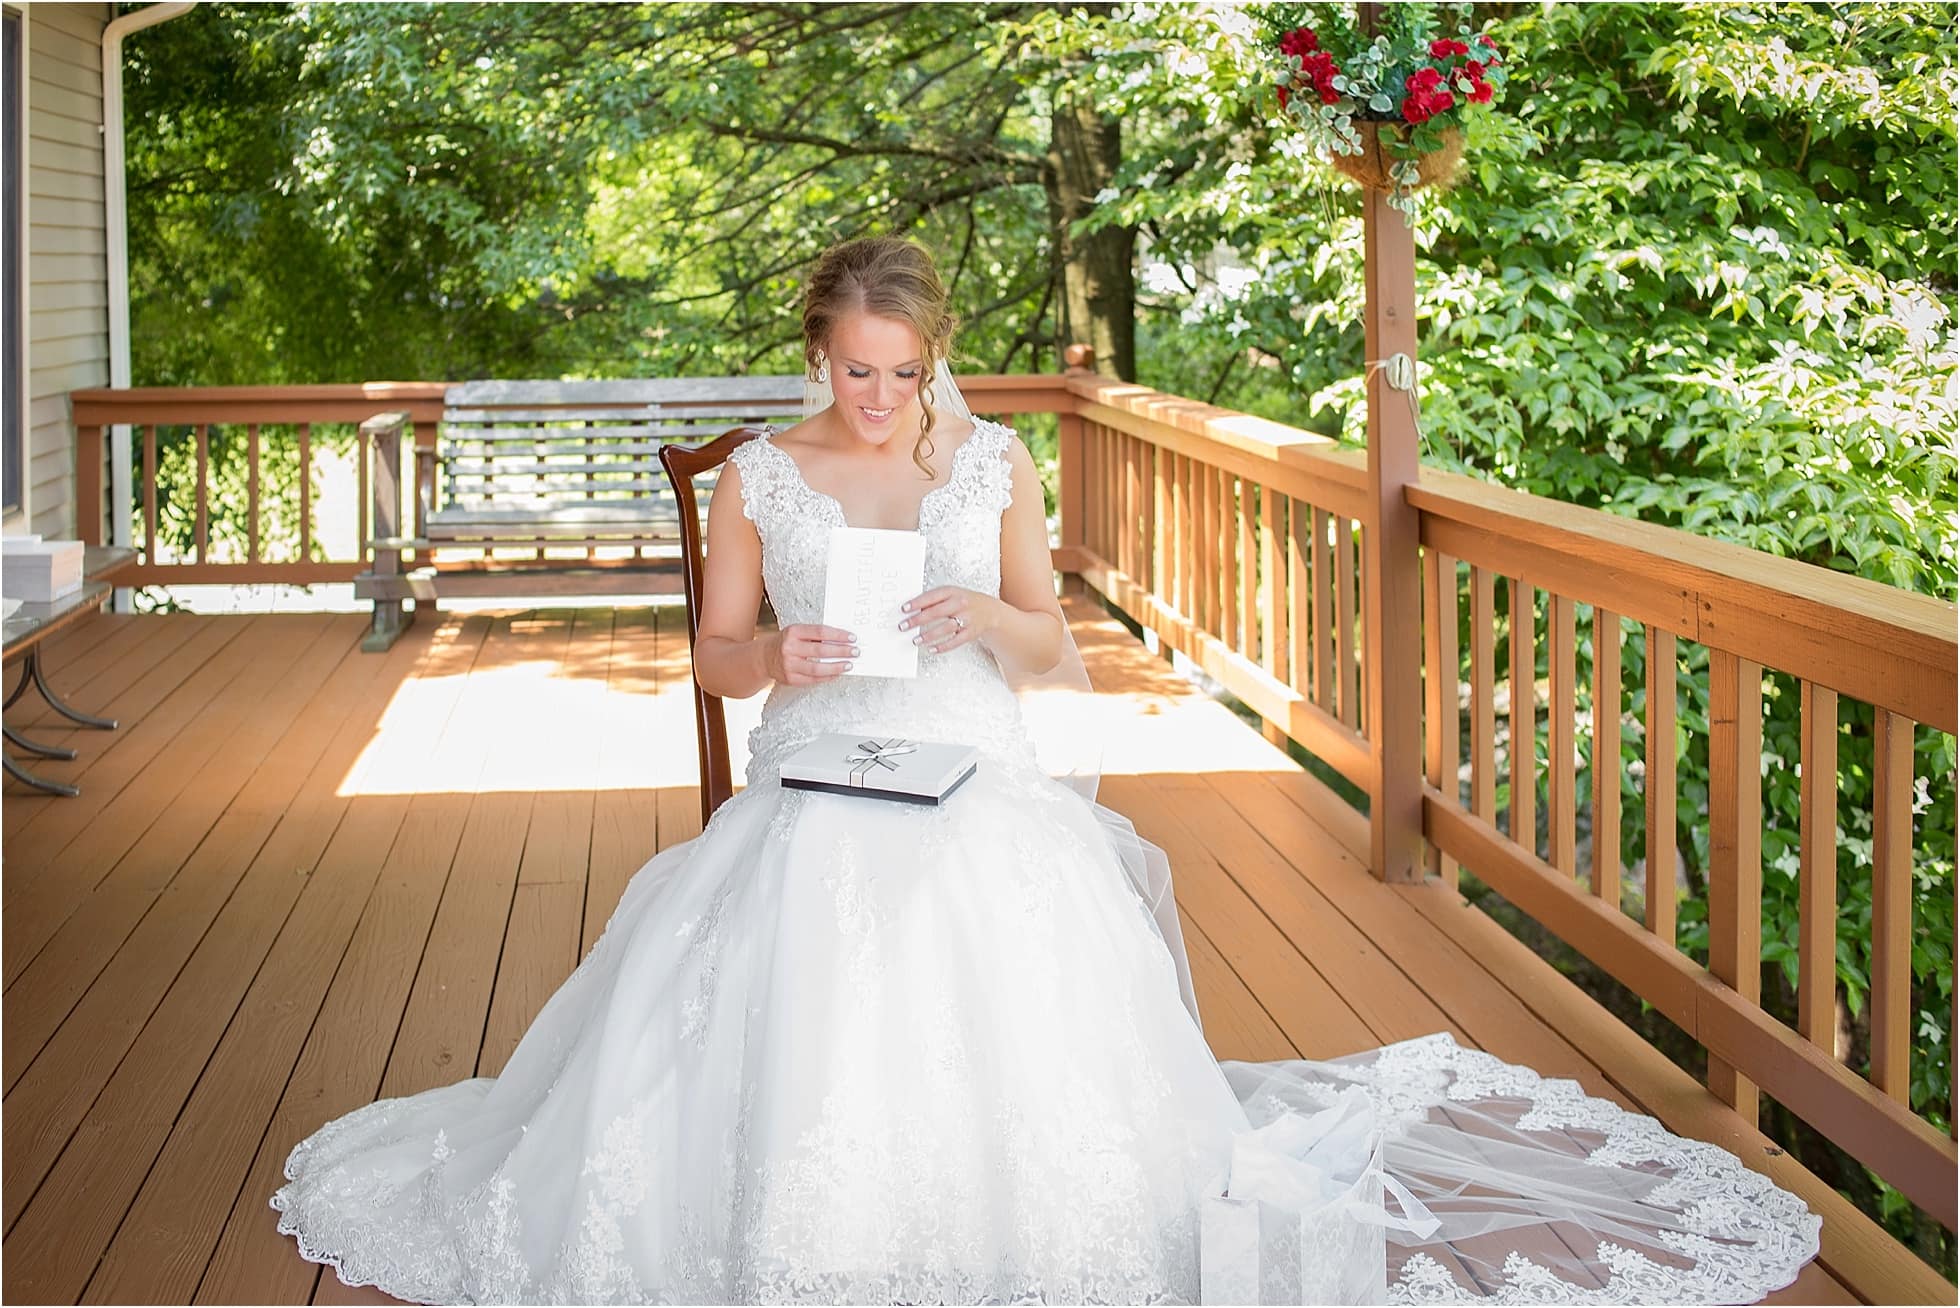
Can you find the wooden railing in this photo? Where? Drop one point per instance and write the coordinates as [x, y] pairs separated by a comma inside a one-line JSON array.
[[1238, 541], [1243, 544], [204, 431], [1836, 636], [195, 425]]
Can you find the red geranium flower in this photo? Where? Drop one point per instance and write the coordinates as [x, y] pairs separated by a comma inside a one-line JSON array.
[[1299, 42], [1283, 95], [1480, 93], [1318, 68], [1424, 80], [1491, 45], [1421, 106], [1445, 48]]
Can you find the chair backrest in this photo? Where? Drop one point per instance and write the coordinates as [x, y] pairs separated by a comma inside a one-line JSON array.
[[682, 464]]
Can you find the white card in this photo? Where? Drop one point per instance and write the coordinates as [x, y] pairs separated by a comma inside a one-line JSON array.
[[871, 572]]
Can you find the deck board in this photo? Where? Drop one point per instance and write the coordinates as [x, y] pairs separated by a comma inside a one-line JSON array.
[[161, 701], [228, 892], [383, 866], [93, 933]]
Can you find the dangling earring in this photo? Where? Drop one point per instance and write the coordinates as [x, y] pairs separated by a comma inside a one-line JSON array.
[[823, 369]]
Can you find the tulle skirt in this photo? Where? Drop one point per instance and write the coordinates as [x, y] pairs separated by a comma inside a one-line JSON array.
[[845, 1049]]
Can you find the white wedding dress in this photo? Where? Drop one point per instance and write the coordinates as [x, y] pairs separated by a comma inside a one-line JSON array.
[[845, 1049]]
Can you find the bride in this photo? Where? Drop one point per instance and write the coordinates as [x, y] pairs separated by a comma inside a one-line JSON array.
[[842, 1049]]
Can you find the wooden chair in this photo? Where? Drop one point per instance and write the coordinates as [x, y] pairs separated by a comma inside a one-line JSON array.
[[682, 464]]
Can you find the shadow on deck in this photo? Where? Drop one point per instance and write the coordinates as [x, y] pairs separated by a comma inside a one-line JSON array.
[[300, 877]]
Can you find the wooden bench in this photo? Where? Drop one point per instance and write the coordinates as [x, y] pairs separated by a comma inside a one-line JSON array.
[[545, 488]]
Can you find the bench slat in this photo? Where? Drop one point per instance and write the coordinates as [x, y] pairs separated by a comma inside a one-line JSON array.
[[783, 388], [645, 510], [557, 430], [483, 485], [554, 448]]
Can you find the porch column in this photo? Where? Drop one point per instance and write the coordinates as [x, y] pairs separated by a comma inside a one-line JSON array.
[[1391, 568]]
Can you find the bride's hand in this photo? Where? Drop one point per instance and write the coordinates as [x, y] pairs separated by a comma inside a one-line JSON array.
[[947, 617], [792, 655]]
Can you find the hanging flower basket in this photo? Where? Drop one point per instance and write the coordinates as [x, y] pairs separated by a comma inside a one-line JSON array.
[[1388, 106], [1374, 167]]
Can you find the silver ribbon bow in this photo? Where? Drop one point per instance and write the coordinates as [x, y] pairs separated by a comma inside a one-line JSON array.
[[878, 754]]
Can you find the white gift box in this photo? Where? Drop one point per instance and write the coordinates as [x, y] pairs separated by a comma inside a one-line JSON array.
[[1304, 1217], [39, 570], [885, 767]]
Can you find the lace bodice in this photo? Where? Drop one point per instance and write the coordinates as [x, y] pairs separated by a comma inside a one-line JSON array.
[[959, 695]]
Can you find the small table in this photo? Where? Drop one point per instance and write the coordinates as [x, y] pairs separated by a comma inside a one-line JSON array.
[[31, 624]]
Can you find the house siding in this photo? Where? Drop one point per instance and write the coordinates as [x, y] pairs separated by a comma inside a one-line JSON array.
[[67, 243]]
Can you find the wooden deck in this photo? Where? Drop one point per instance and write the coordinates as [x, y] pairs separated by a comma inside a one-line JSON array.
[[300, 877]]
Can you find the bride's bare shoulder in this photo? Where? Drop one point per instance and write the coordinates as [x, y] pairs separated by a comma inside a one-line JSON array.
[[803, 433]]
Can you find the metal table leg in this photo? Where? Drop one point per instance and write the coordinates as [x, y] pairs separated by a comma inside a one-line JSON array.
[[55, 701], [26, 778], [32, 675], [35, 747]]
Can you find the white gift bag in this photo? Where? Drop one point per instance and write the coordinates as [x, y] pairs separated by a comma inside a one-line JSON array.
[[1302, 1216]]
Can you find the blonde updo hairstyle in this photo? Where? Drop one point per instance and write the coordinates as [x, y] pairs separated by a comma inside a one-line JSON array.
[[889, 277]]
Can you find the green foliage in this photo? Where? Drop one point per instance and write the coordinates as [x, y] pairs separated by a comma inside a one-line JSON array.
[[363, 191]]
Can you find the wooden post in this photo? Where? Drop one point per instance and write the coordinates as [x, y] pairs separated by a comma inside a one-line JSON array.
[[384, 433], [1069, 473], [1392, 575], [88, 483]]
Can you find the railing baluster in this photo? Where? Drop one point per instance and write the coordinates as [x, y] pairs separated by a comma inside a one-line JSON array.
[[1561, 712], [1208, 550], [1524, 715], [1231, 558], [1735, 849], [1606, 756], [1070, 478], [1114, 495], [1660, 785], [1275, 644], [1344, 571], [1187, 539], [1112, 499], [1817, 885], [201, 540], [1483, 693], [1248, 568], [1442, 738], [151, 555], [252, 495], [1892, 904], [1157, 507], [1323, 609], [1299, 585], [1205, 564], [1092, 490], [306, 492], [1181, 518], [1112, 491], [1132, 493]]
